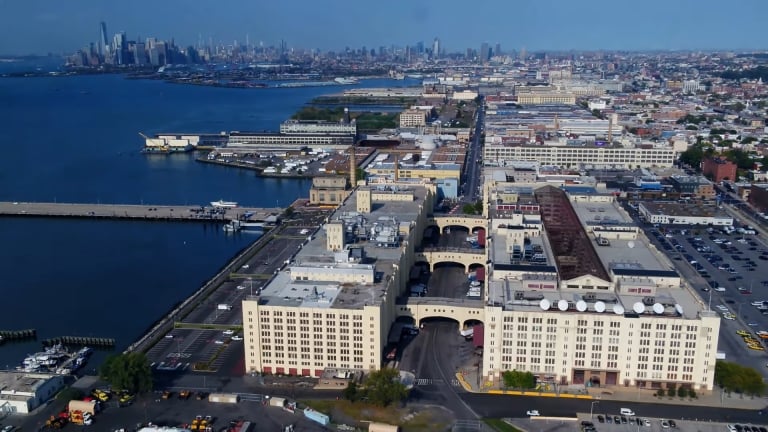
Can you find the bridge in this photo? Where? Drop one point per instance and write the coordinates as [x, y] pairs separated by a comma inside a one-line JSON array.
[[148, 212], [465, 256], [461, 310], [471, 223]]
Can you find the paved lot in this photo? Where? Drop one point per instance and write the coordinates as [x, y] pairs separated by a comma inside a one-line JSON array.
[[180, 212], [175, 412], [699, 245], [183, 348]]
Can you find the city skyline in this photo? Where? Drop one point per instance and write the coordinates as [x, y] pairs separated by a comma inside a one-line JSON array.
[[543, 25]]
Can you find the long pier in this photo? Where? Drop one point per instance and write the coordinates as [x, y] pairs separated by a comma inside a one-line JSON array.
[[133, 211]]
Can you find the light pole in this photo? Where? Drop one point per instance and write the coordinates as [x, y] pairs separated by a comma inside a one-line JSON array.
[[250, 285], [592, 408]]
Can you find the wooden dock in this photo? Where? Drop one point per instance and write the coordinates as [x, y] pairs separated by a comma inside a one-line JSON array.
[[147, 212]]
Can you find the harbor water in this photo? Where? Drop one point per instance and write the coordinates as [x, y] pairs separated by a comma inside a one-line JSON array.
[[75, 139]]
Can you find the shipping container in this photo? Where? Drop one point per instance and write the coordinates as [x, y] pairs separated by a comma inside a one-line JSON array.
[[83, 406], [317, 416], [480, 274], [478, 336], [277, 402], [222, 398], [382, 427], [481, 237]]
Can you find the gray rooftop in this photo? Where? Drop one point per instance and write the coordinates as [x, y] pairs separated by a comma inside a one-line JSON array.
[[393, 216]]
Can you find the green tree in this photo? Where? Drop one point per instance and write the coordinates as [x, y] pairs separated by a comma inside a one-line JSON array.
[[693, 156], [671, 390], [682, 392], [741, 379], [518, 380], [468, 209], [692, 393], [479, 207], [351, 392], [383, 387], [130, 372]]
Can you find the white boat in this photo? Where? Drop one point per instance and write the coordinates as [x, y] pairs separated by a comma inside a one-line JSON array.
[[224, 204], [346, 81]]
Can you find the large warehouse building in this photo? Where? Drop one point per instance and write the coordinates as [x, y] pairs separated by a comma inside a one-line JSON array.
[[574, 292]]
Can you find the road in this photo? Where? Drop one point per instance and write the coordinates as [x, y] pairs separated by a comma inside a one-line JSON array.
[[497, 406], [434, 356], [472, 171]]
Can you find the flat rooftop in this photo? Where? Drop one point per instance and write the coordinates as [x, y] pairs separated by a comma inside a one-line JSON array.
[[513, 295], [389, 215], [632, 254], [679, 209], [21, 382]]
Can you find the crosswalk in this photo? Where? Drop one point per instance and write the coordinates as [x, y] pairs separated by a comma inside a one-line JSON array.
[[435, 381]]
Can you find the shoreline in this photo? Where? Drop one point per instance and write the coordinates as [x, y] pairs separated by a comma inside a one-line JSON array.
[[259, 171]]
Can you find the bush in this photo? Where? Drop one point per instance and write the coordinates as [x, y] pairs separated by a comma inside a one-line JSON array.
[[671, 391], [692, 394], [682, 392], [69, 394]]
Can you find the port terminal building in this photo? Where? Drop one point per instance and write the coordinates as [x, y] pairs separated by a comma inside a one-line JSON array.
[[23, 392], [573, 291]]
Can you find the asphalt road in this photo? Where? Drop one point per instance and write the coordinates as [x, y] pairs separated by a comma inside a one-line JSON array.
[[472, 170], [497, 406], [434, 356]]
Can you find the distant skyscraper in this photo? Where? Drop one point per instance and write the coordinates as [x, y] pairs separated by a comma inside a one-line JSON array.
[[103, 41], [497, 50], [436, 48], [485, 52]]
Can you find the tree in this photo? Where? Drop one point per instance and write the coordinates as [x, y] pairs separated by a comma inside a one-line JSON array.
[[70, 393], [130, 372], [671, 390], [351, 392], [741, 379], [682, 392], [692, 393], [383, 387], [468, 209], [479, 207], [518, 379]]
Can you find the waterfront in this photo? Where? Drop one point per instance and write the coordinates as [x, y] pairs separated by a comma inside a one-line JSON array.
[[76, 139]]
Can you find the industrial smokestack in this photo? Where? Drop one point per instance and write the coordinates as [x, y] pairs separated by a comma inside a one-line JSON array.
[[610, 129], [397, 168], [347, 120], [352, 167]]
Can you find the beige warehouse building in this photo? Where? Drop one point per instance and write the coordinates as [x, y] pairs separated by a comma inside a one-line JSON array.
[[574, 292]]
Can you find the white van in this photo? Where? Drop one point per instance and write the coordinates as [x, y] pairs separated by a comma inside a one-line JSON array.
[[627, 412]]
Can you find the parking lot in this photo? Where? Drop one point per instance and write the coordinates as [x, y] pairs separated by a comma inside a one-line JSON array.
[[176, 412], [209, 339], [729, 273], [609, 423]]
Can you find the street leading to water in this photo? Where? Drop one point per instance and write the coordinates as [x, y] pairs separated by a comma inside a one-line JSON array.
[[75, 139]]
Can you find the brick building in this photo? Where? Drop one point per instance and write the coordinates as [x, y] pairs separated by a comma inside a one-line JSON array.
[[719, 169]]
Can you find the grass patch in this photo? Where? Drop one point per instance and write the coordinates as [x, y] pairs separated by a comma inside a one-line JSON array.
[[343, 411], [500, 425]]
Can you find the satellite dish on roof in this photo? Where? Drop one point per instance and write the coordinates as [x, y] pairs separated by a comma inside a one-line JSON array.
[[562, 305], [544, 304], [600, 307], [581, 305], [631, 244], [658, 308], [638, 307], [618, 309], [679, 309]]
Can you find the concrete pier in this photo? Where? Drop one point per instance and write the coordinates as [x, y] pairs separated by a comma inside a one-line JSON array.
[[132, 211]]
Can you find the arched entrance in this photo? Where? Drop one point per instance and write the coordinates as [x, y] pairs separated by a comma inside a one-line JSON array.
[[448, 280]]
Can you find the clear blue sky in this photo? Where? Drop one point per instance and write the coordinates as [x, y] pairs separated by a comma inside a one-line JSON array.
[[63, 26]]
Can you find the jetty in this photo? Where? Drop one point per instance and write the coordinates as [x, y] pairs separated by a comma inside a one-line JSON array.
[[17, 334], [146, 212], [80, 340]]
